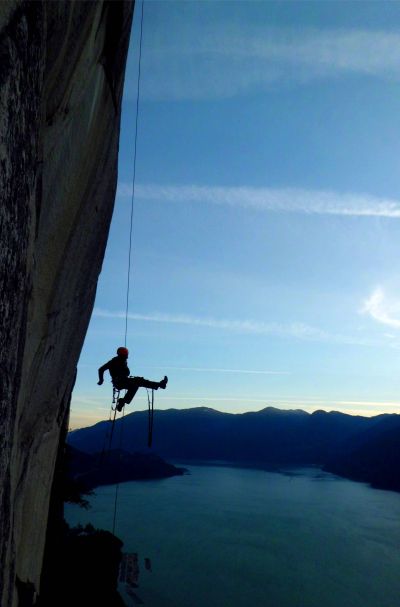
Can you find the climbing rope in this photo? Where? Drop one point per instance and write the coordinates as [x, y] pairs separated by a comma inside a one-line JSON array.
[[117, 485], [107, 433], [151, 417], [134, 175], [116, 394], [130, 244]]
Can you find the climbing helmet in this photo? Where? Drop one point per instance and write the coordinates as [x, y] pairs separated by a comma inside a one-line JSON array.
[[123, 352]]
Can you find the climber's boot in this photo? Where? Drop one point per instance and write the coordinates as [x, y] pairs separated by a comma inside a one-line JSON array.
[[163, 383], [120, 404]]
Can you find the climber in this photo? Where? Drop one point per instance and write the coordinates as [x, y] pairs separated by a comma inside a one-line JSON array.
[[121, 380]]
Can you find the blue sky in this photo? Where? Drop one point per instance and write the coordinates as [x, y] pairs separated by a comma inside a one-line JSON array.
[[266, 239]]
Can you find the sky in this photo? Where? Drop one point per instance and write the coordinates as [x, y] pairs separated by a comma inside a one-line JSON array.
[[266, 222]]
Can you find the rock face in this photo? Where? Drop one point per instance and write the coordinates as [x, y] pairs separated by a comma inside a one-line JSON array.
[[61, 77]]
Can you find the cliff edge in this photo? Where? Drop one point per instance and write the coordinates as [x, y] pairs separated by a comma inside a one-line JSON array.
[[61, 76]]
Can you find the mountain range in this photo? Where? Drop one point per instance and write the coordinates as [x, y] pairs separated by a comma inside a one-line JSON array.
[[360, 448]]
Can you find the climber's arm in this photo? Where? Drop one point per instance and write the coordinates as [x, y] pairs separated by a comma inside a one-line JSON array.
[[101, 372]]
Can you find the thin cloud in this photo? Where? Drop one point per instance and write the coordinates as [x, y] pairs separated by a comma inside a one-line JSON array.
[[205, 370], [296, 330], [284, 200], [204, 60], [382, 309], [217, 370]]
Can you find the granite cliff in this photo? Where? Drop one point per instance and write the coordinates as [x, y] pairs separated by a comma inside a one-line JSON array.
[[61, 77]]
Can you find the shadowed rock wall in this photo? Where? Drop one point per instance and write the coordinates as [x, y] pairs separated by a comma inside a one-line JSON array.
[[61, 76]]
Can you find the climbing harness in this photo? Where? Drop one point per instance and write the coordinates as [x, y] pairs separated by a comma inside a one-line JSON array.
[[115, 398]]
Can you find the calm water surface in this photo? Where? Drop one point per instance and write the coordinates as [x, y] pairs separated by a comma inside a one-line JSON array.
[[238, 537]]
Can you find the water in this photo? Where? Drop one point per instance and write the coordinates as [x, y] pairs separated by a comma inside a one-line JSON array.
[[238, 538]]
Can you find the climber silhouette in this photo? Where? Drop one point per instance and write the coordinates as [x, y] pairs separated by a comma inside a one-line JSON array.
[[119, 371]]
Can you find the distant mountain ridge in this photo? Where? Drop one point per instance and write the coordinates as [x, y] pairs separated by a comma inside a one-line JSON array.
[[362, 448]]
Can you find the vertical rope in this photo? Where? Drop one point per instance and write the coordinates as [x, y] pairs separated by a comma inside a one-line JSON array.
[[112, 429], [130, 239], [150, 417], [134, 175], [117, 485]]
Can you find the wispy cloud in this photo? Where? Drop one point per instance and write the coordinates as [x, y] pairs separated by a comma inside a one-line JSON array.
[[287, 200], [216, 370], [204, 369], [203, 60], [383, 309], [296, 330]]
